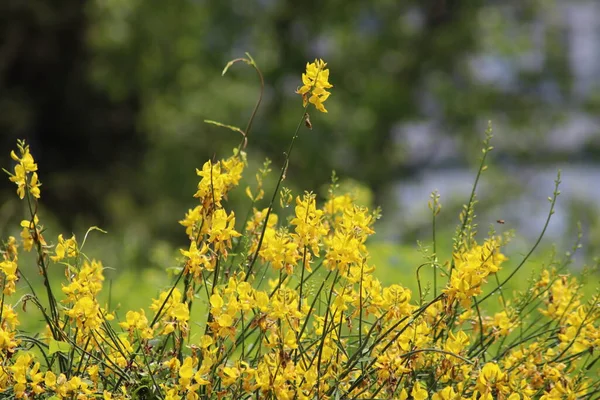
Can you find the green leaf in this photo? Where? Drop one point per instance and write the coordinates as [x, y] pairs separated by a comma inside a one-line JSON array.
[[93, 228], [230, 127], [58, 346]]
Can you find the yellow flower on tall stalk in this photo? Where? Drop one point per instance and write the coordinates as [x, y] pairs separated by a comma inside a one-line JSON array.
[[315, 81], [26, 165]]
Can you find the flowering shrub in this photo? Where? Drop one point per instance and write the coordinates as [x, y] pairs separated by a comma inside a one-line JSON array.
[[293, 308]]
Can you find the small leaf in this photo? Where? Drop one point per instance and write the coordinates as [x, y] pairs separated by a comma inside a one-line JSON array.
[[233, 128], [58, 346], [250, 58], [230, 63], [93, 228]]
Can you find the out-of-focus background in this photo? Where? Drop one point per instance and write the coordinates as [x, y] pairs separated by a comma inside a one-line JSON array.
[[112, 95]]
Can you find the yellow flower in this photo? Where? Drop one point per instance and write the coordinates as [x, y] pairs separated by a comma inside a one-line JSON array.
[[192, 220], [186, 371], [218, 178], [217, 302], [230, 375], [94, 371], [503, 323], [225, 320], [562, 298], [222, 230], [447, 393], [456, 343], [65, 248], [471, 268], [290, 340], [9, 317], [403, 395], [137, 320], [206, 341], [26, 236], [26, 160], [35, 184], [9, 270], [86, 312], [396, 301], [7, 340], [315, 81], [88, 282], [418, 393], [198, 260], [491, 378], [19, 371], [26, 165], [308, 222], [50, 379], [181, 312], [279, 249]]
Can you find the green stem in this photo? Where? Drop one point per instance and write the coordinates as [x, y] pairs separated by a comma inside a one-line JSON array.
[[275, 193]]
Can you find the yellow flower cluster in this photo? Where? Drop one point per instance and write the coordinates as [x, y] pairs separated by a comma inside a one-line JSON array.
[[82, 292], [26, 165], [311, 321], [173, 313], [8, 267], [470, 270], [315, 81], [209, 220]]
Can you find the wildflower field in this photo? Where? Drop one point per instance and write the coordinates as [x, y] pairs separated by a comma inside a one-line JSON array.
[[284, 302]]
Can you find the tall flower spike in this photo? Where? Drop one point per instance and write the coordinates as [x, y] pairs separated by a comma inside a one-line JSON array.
[[315, 80], [26, 165]]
